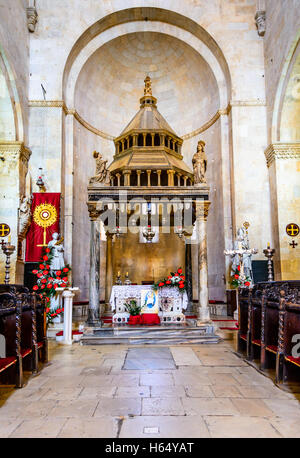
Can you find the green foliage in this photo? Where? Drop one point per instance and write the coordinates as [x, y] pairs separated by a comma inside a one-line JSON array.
[[132, 307]]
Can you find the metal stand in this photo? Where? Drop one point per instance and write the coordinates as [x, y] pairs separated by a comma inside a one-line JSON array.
[[269, 253], [8, 250]]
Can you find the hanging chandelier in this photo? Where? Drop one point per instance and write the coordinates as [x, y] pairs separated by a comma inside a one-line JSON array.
[[148, 233]]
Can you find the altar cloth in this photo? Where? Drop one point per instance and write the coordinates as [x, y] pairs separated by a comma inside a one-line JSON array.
[[149, 319]]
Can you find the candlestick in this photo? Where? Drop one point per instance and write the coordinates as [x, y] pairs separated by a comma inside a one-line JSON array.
[[269, 253], [8, 250]]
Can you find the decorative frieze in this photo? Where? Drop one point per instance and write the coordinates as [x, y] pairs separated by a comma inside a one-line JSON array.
[[282, 151]]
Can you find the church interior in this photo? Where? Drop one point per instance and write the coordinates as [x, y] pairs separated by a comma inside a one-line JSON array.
[[149, 219]]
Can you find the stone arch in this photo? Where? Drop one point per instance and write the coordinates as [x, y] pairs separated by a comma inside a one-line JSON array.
[[11, 115], [286, 112], [146, 19]]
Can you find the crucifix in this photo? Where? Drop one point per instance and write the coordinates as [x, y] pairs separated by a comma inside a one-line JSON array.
[[293, 244]]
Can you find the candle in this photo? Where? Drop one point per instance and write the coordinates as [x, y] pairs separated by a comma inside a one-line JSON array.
[[9, 239], [118, 273], [126, 274], [268, 244]]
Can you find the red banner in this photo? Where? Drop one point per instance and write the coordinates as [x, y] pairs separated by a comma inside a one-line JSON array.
[[45, 221]]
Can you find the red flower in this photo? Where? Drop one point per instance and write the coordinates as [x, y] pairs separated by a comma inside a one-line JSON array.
[[44, 280], [168, 282], [53, 314], [39, 275], [55, 285], [239, 268], [49, 285], [182, 277], [47, 299], [58, 311], [58, 278], [45, 272], [43, 286], [34, 271], [65, 279], [47, 310], [181, 286], [180, 271], [42, 266], [247, 283], [35, 288], [169, 277], [161, 284], [47, 266], [65, 269], [47, 250], [45, 258], [63, 285], [58, 273], [236, 276]]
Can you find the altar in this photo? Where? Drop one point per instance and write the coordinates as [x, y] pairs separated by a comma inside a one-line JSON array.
[[171, 302]]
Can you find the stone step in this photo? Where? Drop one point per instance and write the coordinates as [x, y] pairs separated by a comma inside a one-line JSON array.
[[205, 339]]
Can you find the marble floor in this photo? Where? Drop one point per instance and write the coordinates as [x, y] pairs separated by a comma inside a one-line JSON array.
[[179, 392]]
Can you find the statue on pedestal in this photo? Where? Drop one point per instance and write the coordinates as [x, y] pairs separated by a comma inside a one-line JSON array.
[[57, 251], [102, 174], [200, 164], [24, 216]]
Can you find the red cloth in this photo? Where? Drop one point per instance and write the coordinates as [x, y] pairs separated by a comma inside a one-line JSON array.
[[134, 320], [6, 362], [35, 234], [150, 319], [293, 360]]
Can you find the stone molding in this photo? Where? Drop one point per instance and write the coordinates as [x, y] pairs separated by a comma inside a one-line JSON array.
[[100, 133], [282, 151], [15, 149], [32, 18]]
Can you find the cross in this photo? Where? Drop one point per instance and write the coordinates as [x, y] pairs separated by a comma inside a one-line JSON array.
[[292, 230], [4, 230], [293, 244]]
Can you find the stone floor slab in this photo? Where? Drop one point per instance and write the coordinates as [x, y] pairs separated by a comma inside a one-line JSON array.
[[162, 406], [118, 407], [241, 426], [47, 427], [90, 428], [168, 427], [209, 406]]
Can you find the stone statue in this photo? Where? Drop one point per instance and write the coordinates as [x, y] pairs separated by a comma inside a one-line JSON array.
[[57, 262], [32, 18], [200, 163], [24, 216], [242, 243], [102, 174]]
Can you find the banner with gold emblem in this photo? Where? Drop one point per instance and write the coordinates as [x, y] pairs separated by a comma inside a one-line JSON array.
[[45, 221]]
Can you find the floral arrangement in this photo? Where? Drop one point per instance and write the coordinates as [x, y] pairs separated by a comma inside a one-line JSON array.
[[132, 308], [47, 281], [176, 280], [237, 281]]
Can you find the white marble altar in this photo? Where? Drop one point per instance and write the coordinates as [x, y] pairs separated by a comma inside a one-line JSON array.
[[171, 302]]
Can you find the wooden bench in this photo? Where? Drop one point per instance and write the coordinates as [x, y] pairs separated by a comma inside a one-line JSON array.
[[34, 342], [288, 353], [11, 368], [243, 319]]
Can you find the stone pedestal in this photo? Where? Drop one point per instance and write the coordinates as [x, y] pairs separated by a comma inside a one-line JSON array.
[[67, 294]]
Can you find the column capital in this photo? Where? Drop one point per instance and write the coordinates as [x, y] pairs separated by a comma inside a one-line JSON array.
[[282, 151], [93, 211], [202, 208]]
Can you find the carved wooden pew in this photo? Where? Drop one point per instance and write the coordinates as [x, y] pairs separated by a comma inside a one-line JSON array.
[[254, 323], [243, 319], [34, 343], [11, 369], [288, 354]]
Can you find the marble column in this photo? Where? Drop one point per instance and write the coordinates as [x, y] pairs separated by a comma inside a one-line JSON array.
[[109, 267], [203, 314], [94, 296], [188, 275]]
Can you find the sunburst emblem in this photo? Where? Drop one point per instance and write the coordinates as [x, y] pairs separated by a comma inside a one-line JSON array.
[[45, 215]]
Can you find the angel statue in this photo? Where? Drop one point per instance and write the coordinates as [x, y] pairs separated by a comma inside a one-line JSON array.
[[57, 262], [102, 174], [24, 216], [200, 164], [242, 243]]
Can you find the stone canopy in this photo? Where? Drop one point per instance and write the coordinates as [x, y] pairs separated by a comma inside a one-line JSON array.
[[148, 144]]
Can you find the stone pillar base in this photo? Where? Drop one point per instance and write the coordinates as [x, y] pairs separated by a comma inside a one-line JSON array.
[[203, 316]]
